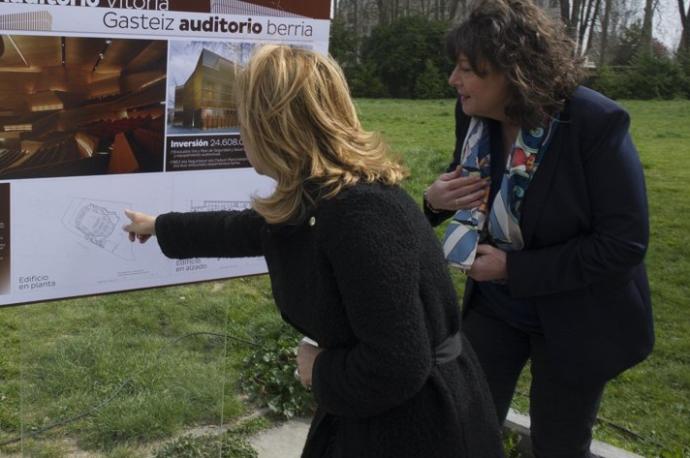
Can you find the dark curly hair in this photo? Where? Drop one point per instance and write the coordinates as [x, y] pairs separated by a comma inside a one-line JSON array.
[[516, 37]]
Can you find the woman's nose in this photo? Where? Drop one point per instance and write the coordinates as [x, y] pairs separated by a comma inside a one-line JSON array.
[[454, 79]]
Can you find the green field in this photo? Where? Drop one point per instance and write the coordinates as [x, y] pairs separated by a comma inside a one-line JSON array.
[[62, 358]]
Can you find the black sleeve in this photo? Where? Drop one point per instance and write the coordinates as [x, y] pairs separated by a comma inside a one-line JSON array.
[[618, 239], [374, 253], [231, 234], [462, 124]]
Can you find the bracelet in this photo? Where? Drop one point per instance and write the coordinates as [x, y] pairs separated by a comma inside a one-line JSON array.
[[428, 205]]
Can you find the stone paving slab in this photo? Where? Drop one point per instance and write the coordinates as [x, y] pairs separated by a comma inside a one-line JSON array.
[[520, 424], [284, 441], [287, 439]]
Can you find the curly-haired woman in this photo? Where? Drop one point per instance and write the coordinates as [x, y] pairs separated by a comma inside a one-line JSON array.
[[549, 222], [354, 265]]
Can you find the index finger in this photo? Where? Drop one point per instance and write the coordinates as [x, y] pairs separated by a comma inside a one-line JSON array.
[[130, 214], [460, 182], [451, 175], [484, 248]]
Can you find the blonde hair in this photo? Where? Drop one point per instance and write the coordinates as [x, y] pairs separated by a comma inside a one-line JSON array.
[[300, 125]]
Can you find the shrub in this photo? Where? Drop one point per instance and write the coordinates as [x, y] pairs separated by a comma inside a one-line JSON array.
[[511, 444], [343, 43], [652, 77], [610, 82], [683, 59], [399, 52], [364, 81], [631, 43], [268, 375], [431, 83], [649, 77], [229, 445]]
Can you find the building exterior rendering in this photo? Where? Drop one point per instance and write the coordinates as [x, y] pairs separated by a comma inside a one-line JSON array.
[[205, 100]]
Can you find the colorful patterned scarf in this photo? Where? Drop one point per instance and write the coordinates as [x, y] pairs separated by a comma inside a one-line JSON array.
[[466, 229]]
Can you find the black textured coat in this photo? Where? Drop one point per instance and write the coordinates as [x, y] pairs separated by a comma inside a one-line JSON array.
[[363, 275]]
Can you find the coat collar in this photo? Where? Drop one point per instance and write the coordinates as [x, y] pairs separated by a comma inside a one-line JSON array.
[[307, 218]]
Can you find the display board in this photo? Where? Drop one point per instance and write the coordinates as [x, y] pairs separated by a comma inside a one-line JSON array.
[[114, 104]]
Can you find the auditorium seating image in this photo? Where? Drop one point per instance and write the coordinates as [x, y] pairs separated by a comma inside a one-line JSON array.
[[81, 106]]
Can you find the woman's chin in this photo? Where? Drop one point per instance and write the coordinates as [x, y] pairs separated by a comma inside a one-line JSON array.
[[468, 110]]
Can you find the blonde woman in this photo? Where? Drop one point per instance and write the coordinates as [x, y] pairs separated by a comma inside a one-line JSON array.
[[354, 265]]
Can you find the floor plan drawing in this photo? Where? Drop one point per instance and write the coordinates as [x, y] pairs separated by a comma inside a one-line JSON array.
[[99, 223]]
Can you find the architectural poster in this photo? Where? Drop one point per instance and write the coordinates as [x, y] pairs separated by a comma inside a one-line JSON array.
[[114, 104]]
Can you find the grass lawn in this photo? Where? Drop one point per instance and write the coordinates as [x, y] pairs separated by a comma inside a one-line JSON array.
[[64, 357]]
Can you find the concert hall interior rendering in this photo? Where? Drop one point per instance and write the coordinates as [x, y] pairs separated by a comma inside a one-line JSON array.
[[81, 106]]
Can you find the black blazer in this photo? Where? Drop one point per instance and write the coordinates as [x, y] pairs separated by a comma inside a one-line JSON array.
[[586, 229]]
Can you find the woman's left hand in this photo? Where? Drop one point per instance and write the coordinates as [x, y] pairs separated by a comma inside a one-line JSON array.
[[490, 264], [306, 355]]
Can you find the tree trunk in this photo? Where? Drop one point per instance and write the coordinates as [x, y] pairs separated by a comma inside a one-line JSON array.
[[565, 13], [570, 13], [578, 16], [647, 25], [604, 40], [383, 11], [584, 25], [457, 10], [595, 13], [355, 19], [589, 17], [685, 27], [423, 4]]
